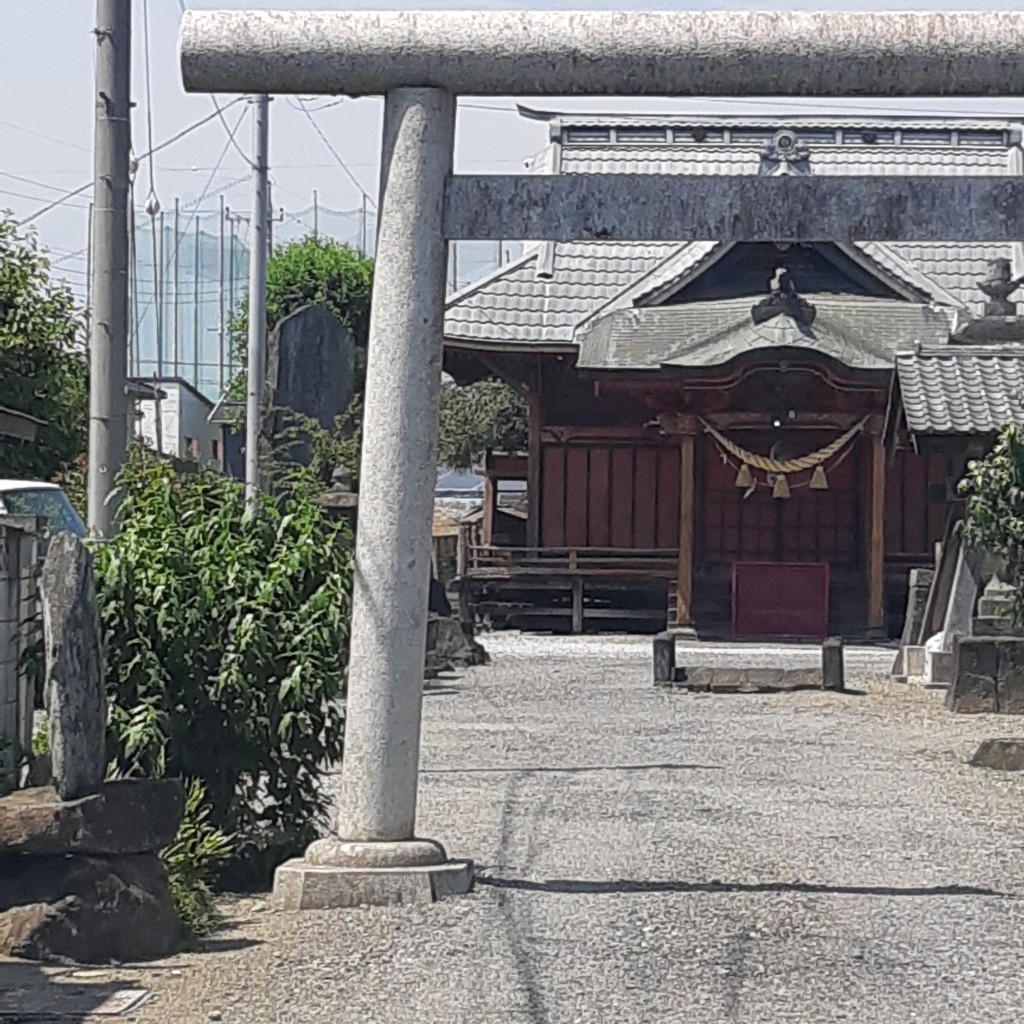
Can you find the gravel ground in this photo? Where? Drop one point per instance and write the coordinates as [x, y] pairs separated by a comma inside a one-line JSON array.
[[650, 856]]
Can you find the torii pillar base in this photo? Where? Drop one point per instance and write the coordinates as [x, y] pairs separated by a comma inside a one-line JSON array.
[[335, 875]]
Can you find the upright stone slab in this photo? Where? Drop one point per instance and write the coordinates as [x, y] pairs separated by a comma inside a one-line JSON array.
[[74, 685], [311, 369], [664, 659], [832, 667], [910, 657]]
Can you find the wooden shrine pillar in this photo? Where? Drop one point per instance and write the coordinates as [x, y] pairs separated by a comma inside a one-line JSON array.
[[876, 531], [687, 430], [490, 505], [534, 425]]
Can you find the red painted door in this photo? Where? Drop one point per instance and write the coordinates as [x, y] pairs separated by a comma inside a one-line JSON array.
[[780, 599]]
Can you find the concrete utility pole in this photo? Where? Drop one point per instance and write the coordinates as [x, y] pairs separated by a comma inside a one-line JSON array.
[[108, 320], [257, 295]]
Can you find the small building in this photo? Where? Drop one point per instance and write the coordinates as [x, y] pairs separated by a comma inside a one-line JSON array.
[[175, 419], [745, 439]]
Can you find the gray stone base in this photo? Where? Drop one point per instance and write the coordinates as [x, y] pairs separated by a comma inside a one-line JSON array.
[[705, 679], [299, 885], [938, 668], [913, 661]]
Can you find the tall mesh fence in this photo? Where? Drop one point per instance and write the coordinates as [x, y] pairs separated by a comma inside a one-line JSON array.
[[190, 274]]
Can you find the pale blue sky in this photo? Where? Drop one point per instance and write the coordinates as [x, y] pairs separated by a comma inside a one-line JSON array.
[[46, 119]]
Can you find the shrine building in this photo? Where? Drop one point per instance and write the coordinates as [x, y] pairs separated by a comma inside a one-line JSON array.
[[744, 440]]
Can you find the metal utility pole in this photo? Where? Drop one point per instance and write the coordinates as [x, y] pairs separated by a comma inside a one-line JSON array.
[[220, 293], [177, 287], [108, 322], [257, 296]]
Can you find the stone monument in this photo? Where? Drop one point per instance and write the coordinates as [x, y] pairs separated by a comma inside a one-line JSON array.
[[80, 876]]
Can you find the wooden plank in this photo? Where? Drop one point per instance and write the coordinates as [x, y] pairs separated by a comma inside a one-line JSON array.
[[894, 504], [622, 497], [490, 505], [876, 559], [552, 491], [576, 472], [599, 498], [609, 432], [508, 465], [915, 509], [534, 459], [577, 604], [645, 497], [684, 575], [937, 472], [668, 497]]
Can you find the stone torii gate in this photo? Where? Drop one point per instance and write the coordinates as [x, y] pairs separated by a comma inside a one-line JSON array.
[[420, 61]]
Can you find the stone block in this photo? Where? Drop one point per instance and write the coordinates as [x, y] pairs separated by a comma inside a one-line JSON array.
[[664, 659], [123, 817], [74, 688], [832, 667], [938, 667], [86, 909], [1004, 755], [299, 885], [1010, 676], [973, 685], [913, 661], [992, 625]]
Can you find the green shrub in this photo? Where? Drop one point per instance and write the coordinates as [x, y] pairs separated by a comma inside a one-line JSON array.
[[994, 520], [226, 638], [191, 861]]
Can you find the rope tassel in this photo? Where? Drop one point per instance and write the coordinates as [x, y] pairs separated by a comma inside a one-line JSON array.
[[743, 477], [781, 488], [819, 482]]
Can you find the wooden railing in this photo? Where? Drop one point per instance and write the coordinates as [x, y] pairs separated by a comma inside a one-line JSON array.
[[484, 560]]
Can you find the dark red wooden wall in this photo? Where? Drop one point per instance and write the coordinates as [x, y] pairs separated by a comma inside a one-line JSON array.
[[609, 496]]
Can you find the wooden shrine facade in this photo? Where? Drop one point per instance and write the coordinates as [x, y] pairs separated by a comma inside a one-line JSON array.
[[741, 438], [633, 495]]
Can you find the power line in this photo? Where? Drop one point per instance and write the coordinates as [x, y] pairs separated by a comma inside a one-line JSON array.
[[156, 149], [48, 138], [337, 156]]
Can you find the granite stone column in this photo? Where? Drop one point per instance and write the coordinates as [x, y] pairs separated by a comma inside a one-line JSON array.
[[375, 855]]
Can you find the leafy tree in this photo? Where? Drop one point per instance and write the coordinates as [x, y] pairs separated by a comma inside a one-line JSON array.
[[226, 638], [488, 414], [42, 371], [312, 270], [994, 489], [481, 416]]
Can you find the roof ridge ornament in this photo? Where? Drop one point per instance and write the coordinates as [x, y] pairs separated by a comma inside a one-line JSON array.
[[999, 284], [782, 299], [1000, 322], [785, 155]]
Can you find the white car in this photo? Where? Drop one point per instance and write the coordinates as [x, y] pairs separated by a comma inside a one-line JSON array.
[[35, 498]]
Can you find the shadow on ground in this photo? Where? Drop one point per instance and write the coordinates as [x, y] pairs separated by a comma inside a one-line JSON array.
[[28, 993], [571, 887], [575, 770]]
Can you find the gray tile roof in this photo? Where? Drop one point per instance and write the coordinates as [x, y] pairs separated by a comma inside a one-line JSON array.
[[540, 298], [863, 333], [735, 159], [962, 389], [955, 266], [554, 289]]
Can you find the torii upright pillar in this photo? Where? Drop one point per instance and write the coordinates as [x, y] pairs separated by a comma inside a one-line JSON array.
[[375, 855]]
